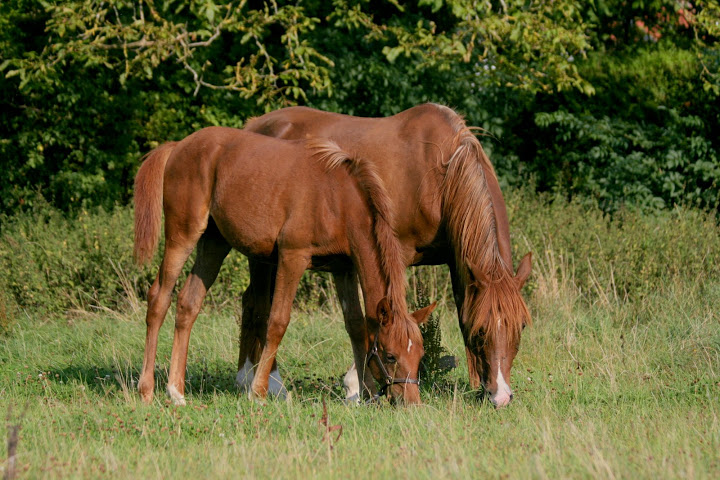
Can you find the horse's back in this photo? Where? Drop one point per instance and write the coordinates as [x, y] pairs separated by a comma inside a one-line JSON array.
[[407, 149]]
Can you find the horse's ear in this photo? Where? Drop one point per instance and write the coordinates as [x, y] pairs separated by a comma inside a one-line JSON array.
[[523, 270], [384, 315], [422, 315], [476, 275]]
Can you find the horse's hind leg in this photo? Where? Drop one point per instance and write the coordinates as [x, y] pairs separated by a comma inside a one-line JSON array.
[[256, 303], [211, 251], [347, 289], [159, 297], [291, 265]]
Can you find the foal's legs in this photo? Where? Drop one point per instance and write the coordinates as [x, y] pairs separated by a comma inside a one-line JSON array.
[[347, 289], [211, 251], [256, 303], [159, 296], [291, 265]]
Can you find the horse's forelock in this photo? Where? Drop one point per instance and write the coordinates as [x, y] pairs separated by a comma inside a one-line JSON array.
[[494, 305]]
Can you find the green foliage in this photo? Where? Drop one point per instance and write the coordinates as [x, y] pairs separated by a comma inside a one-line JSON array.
[[618, 162], [88, 87], [648, 138]]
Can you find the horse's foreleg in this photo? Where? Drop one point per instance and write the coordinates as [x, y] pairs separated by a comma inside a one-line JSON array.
[[211, 251], [291, 266], [347, 289], [256, 302], [159, 297], [459, 297]]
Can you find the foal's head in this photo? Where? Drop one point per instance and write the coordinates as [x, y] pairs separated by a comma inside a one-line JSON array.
[[397, 348], [496, 315]]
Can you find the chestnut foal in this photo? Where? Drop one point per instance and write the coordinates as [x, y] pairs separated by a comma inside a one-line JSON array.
[[284, 203]]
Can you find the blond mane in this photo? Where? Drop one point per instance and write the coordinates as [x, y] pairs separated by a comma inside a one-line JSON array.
[[390, 251], [472, 226]]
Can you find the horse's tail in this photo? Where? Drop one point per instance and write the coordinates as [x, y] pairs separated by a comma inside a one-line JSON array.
[[149, 202], [381, 207]]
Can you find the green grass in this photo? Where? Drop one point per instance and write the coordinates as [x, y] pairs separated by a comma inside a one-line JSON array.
[[609, 390], [618, 377]]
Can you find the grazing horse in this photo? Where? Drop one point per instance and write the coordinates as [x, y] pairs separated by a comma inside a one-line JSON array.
[[285, 203], [449, 209]]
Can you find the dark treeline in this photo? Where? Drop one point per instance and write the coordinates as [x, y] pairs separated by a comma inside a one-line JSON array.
[[610, 101]]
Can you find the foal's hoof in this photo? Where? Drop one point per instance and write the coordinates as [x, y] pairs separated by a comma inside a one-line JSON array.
[[177, 398], [257, 397], [146, 394]]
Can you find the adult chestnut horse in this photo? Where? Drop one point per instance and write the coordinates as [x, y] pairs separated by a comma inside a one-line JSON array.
[[282, 202], [449, 209]]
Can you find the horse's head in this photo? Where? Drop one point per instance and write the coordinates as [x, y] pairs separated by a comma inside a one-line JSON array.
[[495, 315], [396, 351]]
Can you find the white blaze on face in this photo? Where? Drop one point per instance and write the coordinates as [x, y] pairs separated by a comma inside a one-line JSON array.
[[503, 395], [409, 345], [245, 376]]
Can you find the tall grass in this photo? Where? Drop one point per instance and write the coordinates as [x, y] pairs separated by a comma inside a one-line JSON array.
[[55, 264]]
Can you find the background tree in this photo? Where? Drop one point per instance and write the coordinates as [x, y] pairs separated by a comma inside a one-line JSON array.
[[607, 100]]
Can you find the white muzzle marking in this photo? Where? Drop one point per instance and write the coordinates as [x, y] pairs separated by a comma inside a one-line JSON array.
[[504, 394]]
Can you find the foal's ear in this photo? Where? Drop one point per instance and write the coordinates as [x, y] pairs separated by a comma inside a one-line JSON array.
[[384, 315], [422, 315], [523, 270]]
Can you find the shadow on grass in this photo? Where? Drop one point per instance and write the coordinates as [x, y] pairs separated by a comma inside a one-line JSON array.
[[202, 381]]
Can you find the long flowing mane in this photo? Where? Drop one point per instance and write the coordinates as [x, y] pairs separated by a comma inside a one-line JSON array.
[[389, 249], [472, 223]]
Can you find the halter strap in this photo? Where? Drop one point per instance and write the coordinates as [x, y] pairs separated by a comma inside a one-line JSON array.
[[389, 380]]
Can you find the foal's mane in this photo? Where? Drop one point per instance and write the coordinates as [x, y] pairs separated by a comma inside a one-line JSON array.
[[471, 219], [389, 249]]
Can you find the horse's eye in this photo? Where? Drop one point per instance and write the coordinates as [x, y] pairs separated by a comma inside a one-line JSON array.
[[390, 358]]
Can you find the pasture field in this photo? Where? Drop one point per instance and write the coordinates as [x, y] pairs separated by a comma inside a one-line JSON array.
[[618, 377], [623, 392]]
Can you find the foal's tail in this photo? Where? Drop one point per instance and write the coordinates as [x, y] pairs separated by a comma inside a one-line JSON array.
[[149, 202]]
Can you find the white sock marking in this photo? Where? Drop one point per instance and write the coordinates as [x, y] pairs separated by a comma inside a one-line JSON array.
[[352, 385], [176, 397], [245, 376], [275, 385]]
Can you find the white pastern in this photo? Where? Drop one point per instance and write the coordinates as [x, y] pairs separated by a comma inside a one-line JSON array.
[[245, 376], [176, 397], [275, 385], [352, 385]]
